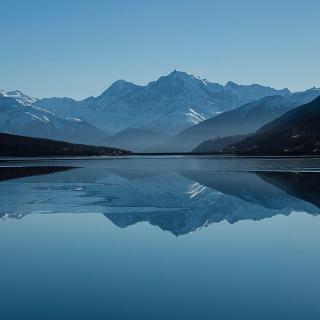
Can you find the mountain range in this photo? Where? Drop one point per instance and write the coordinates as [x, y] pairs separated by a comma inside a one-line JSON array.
[[175, 113], [169, 104]]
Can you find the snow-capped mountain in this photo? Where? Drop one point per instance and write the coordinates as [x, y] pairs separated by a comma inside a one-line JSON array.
[[167, 106], [19, 115], [170, 104]]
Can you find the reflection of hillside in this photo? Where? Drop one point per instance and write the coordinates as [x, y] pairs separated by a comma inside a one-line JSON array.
[[302, 185], [8, 173], [247, 186], [74, 175]]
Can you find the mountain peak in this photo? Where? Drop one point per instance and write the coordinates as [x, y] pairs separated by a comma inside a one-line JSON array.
[[19, 96], [121, 84], [119, 87], [177, 73], [182, 75], [190, 80]]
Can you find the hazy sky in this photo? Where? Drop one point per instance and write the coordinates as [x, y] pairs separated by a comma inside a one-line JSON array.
[[78, 48]]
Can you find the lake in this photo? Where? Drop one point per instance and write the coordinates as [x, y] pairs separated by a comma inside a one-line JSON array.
[[160, 238]]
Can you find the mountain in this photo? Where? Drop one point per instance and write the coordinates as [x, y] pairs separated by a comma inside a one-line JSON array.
[[179, 104], [169, 104], [240, 121], [296, 132], [20, 146], [135, 139], [19, 115]]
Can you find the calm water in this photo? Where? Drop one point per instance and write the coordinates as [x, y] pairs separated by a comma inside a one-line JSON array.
[[160, 238]]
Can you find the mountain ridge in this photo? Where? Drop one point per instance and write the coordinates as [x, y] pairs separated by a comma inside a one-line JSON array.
[[182, 107], [240, 121], [169, 104], [19, 116], [294, 133]]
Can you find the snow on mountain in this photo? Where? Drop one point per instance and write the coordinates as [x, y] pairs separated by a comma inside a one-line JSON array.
[[19, 96], [20, 115], [194, 116], [169, 104]]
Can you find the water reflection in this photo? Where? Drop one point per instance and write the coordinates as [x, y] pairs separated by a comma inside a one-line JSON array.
[[179, 200], [14, 172]]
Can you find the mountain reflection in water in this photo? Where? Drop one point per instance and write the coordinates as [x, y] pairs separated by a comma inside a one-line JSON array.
[[176, 200]]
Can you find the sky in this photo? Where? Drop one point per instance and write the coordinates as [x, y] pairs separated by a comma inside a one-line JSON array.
[[79, 48]]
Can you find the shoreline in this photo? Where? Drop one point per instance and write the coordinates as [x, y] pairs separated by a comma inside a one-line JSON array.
[[160, 155]]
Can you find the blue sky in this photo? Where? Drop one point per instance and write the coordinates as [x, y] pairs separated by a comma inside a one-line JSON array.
[[78, 48]]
